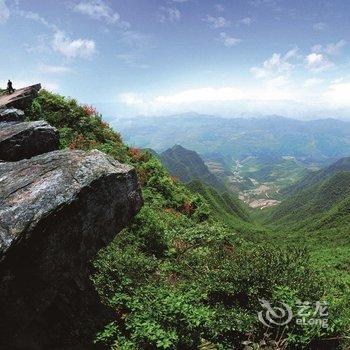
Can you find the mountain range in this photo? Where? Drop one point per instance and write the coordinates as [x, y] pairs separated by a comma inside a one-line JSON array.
[[224, 140]]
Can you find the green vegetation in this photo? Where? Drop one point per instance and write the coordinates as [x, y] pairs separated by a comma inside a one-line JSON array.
[[225, 207], [317, 216], [182, 275], [308, 206], [187, 165]]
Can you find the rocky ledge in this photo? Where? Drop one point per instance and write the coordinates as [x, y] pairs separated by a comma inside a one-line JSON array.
[[56, 211], [21, 98], [11, 115], [25, 140]]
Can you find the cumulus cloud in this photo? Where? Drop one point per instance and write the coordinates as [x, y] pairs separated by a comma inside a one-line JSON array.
[[228, 40], [4, 12], [276, 65], [83, 48], [169, 14], [217, 22], [317, 62], [99, 10], [320, 26]]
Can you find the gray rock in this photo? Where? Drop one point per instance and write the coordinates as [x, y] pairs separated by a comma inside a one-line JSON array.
[[11, 115], [24, 140], [56, 211], [21, 98]]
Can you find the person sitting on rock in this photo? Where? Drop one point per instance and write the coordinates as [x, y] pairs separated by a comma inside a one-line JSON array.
[[10, 88]]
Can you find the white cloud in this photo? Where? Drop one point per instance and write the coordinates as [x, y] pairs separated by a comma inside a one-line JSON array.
[[338, 94], [4, 12], [54, 69], [293, 53], [169, 14], [219, 8], [228, 40], [317, 62], [83, 48], [132, 60], [279, 82], [330, 49], [313, 82], [320, 26], [203, 99], [206, 94], [278, 95], [334, 48], [275, 66], [99, 10], [217, 22], [136, 39], [317, 48], [246, 21], [337, 81], [37, 18]]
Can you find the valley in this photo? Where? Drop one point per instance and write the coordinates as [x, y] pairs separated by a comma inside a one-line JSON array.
[[256, 158]]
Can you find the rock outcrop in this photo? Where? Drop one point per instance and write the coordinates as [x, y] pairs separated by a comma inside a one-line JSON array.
[[56, 211], [24, 140], [11, 115], [21, 98]]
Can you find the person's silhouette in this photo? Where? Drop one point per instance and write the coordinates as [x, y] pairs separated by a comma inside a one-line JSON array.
[[10, 88]]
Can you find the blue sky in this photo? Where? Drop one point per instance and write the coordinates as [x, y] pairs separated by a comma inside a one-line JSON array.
[[161, 57]]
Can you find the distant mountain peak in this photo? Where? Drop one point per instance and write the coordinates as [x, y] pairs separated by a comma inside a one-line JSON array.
[[187, 165]]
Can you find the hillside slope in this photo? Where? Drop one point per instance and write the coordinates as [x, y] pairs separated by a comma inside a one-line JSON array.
[[187, 165], [225, 205], [312, 178], [313, 202]]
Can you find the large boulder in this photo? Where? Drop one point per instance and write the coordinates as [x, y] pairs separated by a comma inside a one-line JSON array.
[[21, 98], [11, 115], [56, 211], [24, 140]]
